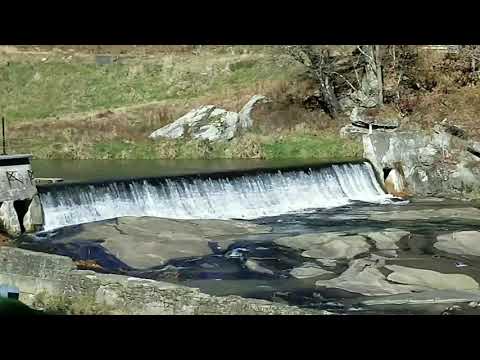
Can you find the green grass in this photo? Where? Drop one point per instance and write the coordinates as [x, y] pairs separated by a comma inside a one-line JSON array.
[[312, 147], [31, 91], [246, 146]]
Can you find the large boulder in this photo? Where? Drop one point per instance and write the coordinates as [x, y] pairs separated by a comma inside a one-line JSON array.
[[210, 123], [205, 123], [245, 115]]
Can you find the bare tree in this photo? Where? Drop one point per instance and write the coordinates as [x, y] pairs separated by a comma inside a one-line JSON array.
[[373, 56], [320, 66]]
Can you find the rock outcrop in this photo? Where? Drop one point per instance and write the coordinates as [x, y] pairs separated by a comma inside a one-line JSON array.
[[436, 163], [361, 123], [210, 123]]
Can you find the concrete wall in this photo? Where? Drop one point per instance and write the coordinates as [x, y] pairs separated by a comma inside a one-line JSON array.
[[16, 180], [38, 273]]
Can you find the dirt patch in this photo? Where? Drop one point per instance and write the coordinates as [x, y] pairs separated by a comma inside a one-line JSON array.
[[4, 239]]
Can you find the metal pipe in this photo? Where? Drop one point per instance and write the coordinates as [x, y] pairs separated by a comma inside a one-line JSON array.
[[3, 136]]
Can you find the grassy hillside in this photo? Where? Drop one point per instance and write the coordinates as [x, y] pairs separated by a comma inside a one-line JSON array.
[[59, 103]]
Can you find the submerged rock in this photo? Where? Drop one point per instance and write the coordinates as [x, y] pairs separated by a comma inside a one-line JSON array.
[[430, 279], [254, 266], [462, 243]]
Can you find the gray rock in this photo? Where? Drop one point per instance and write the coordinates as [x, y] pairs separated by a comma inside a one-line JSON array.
[[362, 277], [309, 270], [33, 219], [327, 245], [386, 240], [431, 279], [9, 218], [205, 123], [426, 214], [352, 131], [462, 243], [326, 262], [428, 155], [245, 116], [144, 242], [425, 297], [433, 164], [474, 148], [360, 119]]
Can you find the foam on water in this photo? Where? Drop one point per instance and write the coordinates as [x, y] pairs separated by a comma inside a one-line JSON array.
[[245, 197]]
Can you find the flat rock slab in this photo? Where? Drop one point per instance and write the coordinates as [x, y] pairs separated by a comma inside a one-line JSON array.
[[386, 240], [426, 214], [309, 270], [426, 297], [430, 279], [143, 242], [462, 242], [327, 245], [362, 277]]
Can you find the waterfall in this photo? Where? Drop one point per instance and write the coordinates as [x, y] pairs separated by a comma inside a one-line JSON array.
[[246, 196]]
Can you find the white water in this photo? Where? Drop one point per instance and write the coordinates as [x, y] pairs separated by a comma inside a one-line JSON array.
[[245, 197]]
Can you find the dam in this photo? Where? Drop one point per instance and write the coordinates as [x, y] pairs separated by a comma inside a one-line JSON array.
[[223, 195]]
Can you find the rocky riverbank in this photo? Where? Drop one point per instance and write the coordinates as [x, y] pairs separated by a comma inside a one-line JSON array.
[[420, 258]]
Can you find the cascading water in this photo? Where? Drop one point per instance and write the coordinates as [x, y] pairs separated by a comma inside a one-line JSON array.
[[246, 197]]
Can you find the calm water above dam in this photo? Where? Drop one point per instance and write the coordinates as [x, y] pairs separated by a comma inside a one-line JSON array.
[[98, 170]]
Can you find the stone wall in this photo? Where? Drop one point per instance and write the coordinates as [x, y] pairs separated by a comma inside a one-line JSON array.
[[17, 190], [36, 273]]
